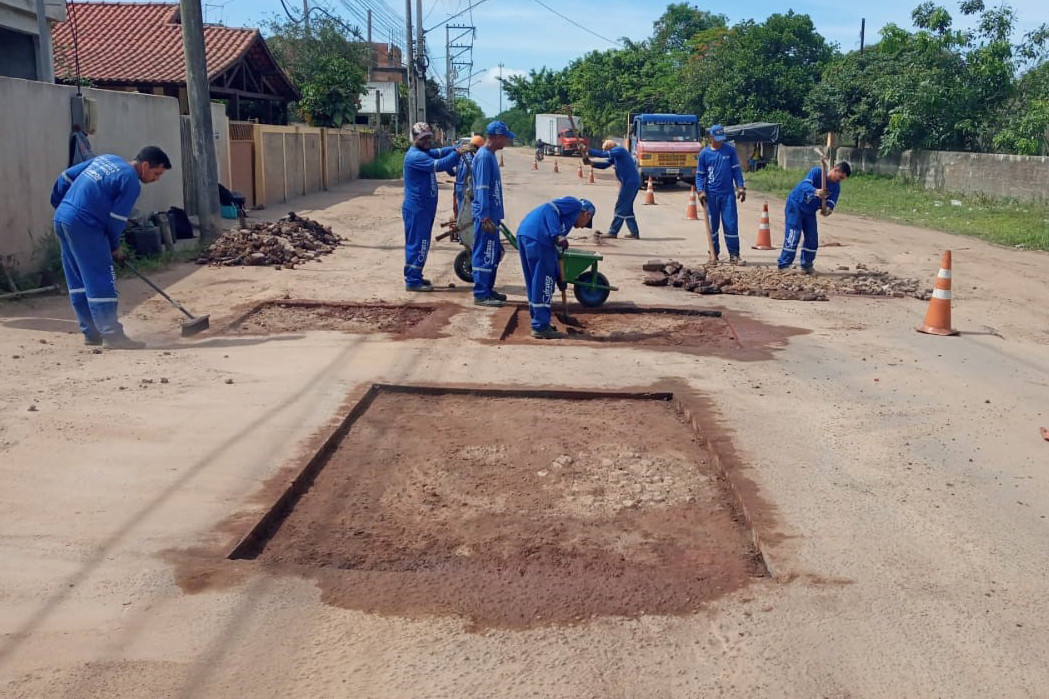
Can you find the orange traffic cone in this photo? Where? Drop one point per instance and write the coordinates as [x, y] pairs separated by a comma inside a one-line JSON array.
[[650, 195], [690, 213], [556, 169], [938, 317], [535, 163], [590, 180], [580, 173], [764, 231]]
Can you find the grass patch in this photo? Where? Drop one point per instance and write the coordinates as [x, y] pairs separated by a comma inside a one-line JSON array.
[[999, 220], [388, 166]]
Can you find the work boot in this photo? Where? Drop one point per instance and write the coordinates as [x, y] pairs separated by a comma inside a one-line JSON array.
[[121, 341], [490, 301], [427, 282], [808, 270], [93, 340], [496, 295], [547, 333], [419, 287], [635, 236], [734, 260]]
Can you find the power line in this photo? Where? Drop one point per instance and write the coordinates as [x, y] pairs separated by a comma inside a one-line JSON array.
[[576, 24]]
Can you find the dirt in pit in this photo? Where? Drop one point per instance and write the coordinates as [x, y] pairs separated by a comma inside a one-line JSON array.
[[300, 316], [518, 512], [674, 329]]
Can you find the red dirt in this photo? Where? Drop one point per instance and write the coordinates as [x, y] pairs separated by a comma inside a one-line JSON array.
[[518, 512]]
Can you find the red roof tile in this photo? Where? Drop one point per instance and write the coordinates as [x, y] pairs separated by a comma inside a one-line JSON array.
[[139, 43]]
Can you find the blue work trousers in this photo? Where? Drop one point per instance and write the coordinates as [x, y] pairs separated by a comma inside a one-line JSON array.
[[88, 265], [487, 253], [624, 210], [417, 230], [722, 209], [798, 227], [541, 271]]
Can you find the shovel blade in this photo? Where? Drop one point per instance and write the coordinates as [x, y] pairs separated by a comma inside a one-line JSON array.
[[197, 325]]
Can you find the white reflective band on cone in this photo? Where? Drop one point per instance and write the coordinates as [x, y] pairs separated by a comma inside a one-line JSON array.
[[942, 294], [944, 274]]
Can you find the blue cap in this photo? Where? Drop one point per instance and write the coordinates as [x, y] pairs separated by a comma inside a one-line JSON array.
[[499, 128], [589, 207], [718, 133]]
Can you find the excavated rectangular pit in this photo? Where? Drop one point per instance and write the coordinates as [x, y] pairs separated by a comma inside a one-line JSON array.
[[299, 315], [516, 508], [674, 329]]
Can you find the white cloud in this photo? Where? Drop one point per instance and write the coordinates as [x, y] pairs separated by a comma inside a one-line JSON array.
[[491, 76]]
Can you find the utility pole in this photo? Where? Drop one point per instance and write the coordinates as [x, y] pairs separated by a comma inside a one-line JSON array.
[[500, 88], [410, 66], [449, 76], [45, 60], [863, 30], [306, 16], [201, 128], [420, 58]]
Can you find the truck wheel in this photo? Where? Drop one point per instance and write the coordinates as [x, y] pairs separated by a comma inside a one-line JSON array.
[[464, 266], [591, 298]]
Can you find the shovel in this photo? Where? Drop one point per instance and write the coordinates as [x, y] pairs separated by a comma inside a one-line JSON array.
[[710, 233], [194, 325], [565, 318]]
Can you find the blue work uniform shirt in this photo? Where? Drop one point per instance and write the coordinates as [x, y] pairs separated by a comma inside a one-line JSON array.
[[99, 193], [551, 220], [804, 193], [718, 170], [626, 170], [420, 175], [488, 186]]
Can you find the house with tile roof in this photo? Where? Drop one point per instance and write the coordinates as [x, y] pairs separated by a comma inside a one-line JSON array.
[[137, 47]]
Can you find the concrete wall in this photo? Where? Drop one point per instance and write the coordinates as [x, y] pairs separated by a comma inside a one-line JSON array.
[[992, 174], [35, 120]]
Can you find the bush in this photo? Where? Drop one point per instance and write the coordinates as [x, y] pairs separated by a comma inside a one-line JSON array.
[[388, 166]]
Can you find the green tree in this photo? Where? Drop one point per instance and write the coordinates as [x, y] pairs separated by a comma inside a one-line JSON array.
[[680, 24], [469, 115], [542, 92], [521, 122], [326, 65]]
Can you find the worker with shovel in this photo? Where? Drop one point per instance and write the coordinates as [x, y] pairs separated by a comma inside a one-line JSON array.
[[819, 191], [717, 171], [488, 213], [92, 202], [629, 183], [421, 165], [541, 233]]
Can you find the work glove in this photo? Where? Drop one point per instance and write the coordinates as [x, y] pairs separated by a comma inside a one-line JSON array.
[[741, 194], [822, 193], [702, 198], [488, 225], [586, 159], [826, 212], [562, 285], [466, 148], [119, 257], [562, 243]]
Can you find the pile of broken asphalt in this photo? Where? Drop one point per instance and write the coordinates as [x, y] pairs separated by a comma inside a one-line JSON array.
[[290, 241], [780, 284]]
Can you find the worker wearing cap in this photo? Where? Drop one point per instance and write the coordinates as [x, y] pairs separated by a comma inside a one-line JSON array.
[[464, 173], [717, 171], [488, 213], [808, 197], [421, 165], [541, 233], [629, 183], [92, 202]]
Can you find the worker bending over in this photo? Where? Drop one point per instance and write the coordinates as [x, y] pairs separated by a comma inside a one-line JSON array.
[[488, 214], [804, 201], [464, 174], [629, 182], [716, 173], [421, 165], [541, 233], [92, 202]]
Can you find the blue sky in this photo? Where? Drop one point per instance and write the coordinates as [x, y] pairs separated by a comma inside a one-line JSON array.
[[522, 34]]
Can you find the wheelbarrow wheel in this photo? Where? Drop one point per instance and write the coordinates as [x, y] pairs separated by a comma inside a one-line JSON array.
[[590, 297], [464, 266]]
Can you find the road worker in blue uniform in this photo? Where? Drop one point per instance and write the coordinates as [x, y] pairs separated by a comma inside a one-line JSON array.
[[488, 214], [629, 183], [716, 173], [463, 172], [808, 197], [92, 202], [541, 233], [421, 165]]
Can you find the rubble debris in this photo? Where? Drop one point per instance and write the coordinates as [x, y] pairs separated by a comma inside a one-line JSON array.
[[780, 284], [290, 241]]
